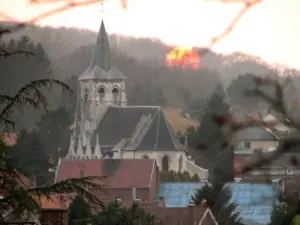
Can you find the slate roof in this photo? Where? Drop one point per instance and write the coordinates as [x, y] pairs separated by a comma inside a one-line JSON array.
[[121, 173], [100, 67], [283, 161], [255, 133], [254, 201], [121, 122]]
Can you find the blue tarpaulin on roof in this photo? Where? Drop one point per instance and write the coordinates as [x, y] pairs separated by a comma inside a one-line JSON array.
[[254, 201]]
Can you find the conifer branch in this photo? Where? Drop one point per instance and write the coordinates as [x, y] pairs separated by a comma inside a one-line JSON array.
[[30, 94]]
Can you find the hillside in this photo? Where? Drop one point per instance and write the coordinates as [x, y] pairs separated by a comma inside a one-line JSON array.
[[149, 80], [178, 122], [61, 42]]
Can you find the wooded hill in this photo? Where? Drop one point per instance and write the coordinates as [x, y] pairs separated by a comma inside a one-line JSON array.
[[67, 51]]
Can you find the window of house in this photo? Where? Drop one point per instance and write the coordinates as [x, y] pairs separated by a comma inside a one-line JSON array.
[[247, 144], [290, 171]]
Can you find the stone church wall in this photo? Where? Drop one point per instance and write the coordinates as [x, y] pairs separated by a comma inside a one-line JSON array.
[[172, 157]]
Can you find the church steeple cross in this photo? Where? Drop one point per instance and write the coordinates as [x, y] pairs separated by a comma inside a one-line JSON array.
[[102, 8]]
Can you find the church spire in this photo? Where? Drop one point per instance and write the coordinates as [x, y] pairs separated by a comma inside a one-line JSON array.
[[100, 67], [101, 56]]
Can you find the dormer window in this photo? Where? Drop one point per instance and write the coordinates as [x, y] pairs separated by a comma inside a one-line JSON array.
[[101, 92]]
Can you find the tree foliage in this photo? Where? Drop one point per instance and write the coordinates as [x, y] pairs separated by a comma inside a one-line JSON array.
[[32, 64], [54, 132], [17, 195], [79, 212], [286, 208], [166, 176], [218, 198], [210, 134], [236, 92], [116, 214], [30, 155]]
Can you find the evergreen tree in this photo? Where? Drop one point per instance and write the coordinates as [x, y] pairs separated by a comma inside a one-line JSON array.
[[212, 140], [115, 214], [19, 199], [217, 149], [146, 93], [210, 135], [54, 132], [30, 155], [79, 212], [286, 210], [218, 198]]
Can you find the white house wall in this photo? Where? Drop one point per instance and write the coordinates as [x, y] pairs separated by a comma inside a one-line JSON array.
[[158, 155]]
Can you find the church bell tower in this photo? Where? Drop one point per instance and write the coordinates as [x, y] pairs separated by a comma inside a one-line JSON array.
[[100, 86]]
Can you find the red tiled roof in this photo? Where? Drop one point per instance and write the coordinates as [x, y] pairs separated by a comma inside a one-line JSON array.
[[121, 173], [53, 202]]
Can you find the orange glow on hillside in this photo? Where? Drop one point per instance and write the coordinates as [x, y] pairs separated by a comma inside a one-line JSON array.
[[183, 57]]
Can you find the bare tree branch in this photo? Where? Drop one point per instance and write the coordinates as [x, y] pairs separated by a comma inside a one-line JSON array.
[[248, 4]]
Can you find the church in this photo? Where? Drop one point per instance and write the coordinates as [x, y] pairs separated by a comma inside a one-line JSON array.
[[106, 127]]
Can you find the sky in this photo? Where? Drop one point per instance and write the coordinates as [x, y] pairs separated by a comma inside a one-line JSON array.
[[270, 30]]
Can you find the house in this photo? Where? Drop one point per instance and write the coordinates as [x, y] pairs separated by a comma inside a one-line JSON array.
[[126, 179], [106, 127], [197, 215], [281, 168], [246, 140], [284, 168], [54, 211]]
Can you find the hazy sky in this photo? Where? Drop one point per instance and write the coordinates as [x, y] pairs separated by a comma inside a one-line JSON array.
[[270, 30]]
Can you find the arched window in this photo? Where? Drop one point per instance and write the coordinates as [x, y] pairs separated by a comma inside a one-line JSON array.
[[116, 96], [180, 162], [101, 92], [165, 163], [86, 95], [145, 157]]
